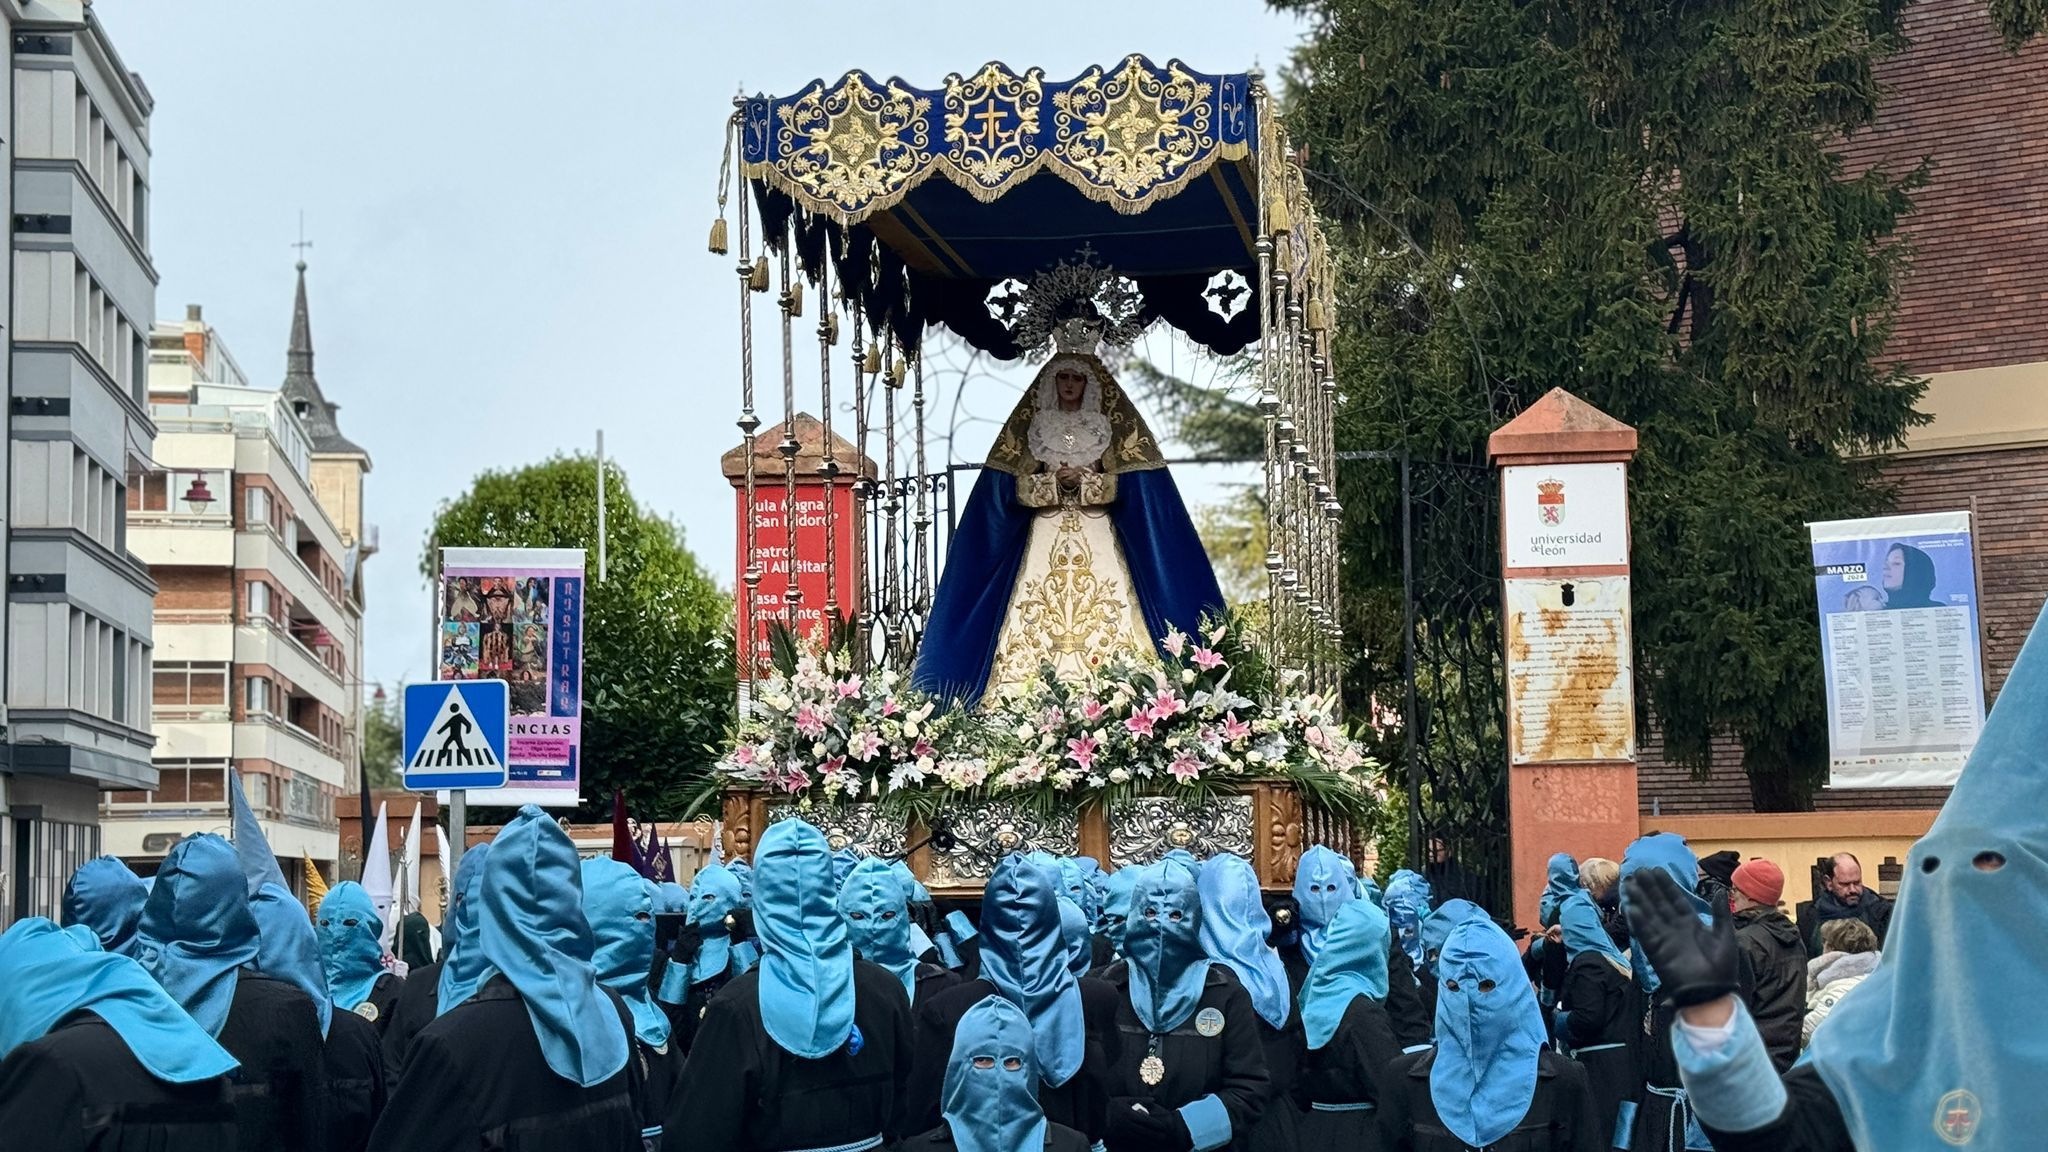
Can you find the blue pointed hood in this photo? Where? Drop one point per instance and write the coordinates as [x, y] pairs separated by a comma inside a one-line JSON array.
[[464, 969], [196, 930], [107, 897], [1024, 954], [531, 927], [1116, 904], [876, 908], [1370, 889], [1234, 931], [1075, 889], [1437, 928], [806, 985], [1323, 883], [1951, 1031], [844, 861], [990, 1096], [1074, 934], [1163, 947], [252, 848], [714, 896], [1667, 853], [618, 902], [744, 873], [286, 948], [53, 972], [350, 953], [1561, 879], [1583, 931], [671, 898], [1489, 1035], [1407, 904], [1351, 963]]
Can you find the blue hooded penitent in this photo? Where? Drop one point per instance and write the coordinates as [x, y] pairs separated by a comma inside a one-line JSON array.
[[1561, 879], [1583, 931], [919, 895], [1951, 1031], [286, 948], [349, 950], [1116, 904], [1025, 956], [714, 896], [744, 873], [259, 864], [671, 898], [53, 972], [1352, 963], [107, 897], [531, 927], [1075, 888], [806, 985], [990, 1097], [196, 929], [618, 902], [1407, 904], [1489, 1035], [1667, 853], [1323, 883], [877, 912], [844, 861], [1370, 889], [1437, 927], [1079, 941], [1163, 943], [464, 969], [1094, 877], [1234, 931]]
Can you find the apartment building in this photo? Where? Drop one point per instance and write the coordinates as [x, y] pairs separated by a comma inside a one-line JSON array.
[[259, 615], [76, 618]]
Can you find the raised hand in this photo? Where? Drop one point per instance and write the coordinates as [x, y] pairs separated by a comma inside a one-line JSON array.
[[1695, 963]]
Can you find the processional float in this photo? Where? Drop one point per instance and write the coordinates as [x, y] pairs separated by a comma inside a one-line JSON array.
[[1048, 666]]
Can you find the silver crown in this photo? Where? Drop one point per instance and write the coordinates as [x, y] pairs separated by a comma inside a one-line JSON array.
[[1077, 306]]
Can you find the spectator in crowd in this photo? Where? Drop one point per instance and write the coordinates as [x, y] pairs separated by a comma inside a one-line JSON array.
[[1717, 875], [1601, 878], [1848, 954], [1777, 1002], [1843, 897]]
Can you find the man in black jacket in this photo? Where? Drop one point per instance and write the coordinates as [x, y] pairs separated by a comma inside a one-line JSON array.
[[1842, 896], [1778, 1003]]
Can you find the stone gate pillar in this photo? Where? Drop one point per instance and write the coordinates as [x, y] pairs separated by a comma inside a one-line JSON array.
[[1565, 611]]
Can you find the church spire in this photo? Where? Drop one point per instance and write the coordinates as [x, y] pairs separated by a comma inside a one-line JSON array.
[[298, 357]]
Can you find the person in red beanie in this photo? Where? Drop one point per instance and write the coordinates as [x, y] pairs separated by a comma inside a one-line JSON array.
[[1776, 956]]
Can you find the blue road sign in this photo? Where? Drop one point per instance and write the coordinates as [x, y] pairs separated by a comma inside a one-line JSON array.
[[455, 734]]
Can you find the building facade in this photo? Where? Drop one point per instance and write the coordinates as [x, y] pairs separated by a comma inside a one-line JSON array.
[[258, 619], [80, 300]]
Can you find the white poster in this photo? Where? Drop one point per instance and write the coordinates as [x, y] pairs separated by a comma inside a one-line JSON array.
[[1565, 515], [1899, 648]]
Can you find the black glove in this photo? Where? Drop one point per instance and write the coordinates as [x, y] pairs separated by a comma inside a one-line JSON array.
[[926, 917], [687, 942], [1694, 963], [1139, 1125], [741, 925]]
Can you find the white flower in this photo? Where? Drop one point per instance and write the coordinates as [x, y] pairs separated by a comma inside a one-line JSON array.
[[1095, 781], [1026, 730], [1187, 676], [818, 750], [1119, 776], [1254, 756], [910, 729]]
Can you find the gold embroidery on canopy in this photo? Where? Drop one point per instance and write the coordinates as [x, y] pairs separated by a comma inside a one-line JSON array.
[[992, 127], [1133, 132], [848, 148]]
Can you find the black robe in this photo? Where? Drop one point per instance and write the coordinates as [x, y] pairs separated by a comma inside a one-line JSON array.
[[1079, 1104], [476, 1078], [1413, 1028], [355, 1082], [1230, 1065], [741, 1092], [1560, 1116], [383, 998], [1275, 1131], [1811, 1122], [79, 1088], [661, 1075], [1660, 1120], [1603, 1029], [419, 1001], [1337, 1088], [1058, 1138], [685, 1018], [280, 1091]]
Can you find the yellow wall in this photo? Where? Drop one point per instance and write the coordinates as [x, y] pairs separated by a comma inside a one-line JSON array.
[[1983, 408], [1793, 840]]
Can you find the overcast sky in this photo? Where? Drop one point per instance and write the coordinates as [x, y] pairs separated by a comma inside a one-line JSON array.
[[508, 202]]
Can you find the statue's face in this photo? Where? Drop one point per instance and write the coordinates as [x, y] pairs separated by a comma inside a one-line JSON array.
[[1069, 385]]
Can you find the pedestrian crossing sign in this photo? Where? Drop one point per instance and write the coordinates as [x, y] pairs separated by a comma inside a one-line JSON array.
[[455, 734]]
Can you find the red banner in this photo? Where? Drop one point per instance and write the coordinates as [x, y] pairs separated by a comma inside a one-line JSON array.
[[771, 543]]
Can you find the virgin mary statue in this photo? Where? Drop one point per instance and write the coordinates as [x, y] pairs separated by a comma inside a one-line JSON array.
[[1074, 548]]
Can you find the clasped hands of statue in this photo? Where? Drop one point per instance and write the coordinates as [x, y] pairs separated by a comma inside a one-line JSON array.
[[1698, 964]]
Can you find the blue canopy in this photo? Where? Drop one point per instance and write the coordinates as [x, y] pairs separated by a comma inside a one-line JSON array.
[[1152, 167]]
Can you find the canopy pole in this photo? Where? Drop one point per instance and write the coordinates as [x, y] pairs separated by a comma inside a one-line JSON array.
[[752, 279], [927, 493], [792, 303], [863, 491], [892, 498], [828, 335], [1269, 397]]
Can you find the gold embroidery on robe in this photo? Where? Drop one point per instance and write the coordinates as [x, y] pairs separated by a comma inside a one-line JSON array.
[[1072, 607]]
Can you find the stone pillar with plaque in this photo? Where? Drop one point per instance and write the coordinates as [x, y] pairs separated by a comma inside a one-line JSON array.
[[1565, 607]]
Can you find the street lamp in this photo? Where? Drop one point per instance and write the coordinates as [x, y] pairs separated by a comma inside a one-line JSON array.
[[198, 495]]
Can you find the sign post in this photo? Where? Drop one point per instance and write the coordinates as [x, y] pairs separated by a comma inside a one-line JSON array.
[[1565, 607]]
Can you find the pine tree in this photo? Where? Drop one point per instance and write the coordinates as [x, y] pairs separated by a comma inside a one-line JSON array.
[[1642, 202]]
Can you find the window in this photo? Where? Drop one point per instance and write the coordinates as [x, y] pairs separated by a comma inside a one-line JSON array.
[[305, 801], [182, 684], [259, 600], [257, 785], [181, 783], [258, 692], [257, 514]]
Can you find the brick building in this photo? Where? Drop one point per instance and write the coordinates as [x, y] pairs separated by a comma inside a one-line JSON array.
[[1973, 320]]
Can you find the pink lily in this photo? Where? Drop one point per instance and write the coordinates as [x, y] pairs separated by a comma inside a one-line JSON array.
[[1081, 750], [1235, 729], [1207, 659], [1139, 723], [849, 687], [1092, 710], [809, 721], [1185, 767]]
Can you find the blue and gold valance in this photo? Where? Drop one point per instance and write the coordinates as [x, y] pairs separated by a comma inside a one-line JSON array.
[[1127, 136]]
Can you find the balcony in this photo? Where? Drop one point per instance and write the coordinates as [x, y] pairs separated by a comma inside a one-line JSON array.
[[264, 552], [271, 643], [176, 538], [280, 742]]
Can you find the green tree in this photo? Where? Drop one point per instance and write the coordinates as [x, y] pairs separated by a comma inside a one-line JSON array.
[[1641, 202], [382, 742], [658, 677]]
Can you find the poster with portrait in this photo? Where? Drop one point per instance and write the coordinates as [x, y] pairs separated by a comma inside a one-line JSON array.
[[1899, 648], [516, 614]]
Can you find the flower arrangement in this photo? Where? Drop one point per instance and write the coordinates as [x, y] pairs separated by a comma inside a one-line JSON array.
[[1204, 717]]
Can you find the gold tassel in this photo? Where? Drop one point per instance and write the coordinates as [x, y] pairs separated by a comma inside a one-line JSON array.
[[832, 329], [796, 298], [872, 362], [718, 237], [1315, 313], [1278, 222], [759, 280], [897, 373]]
